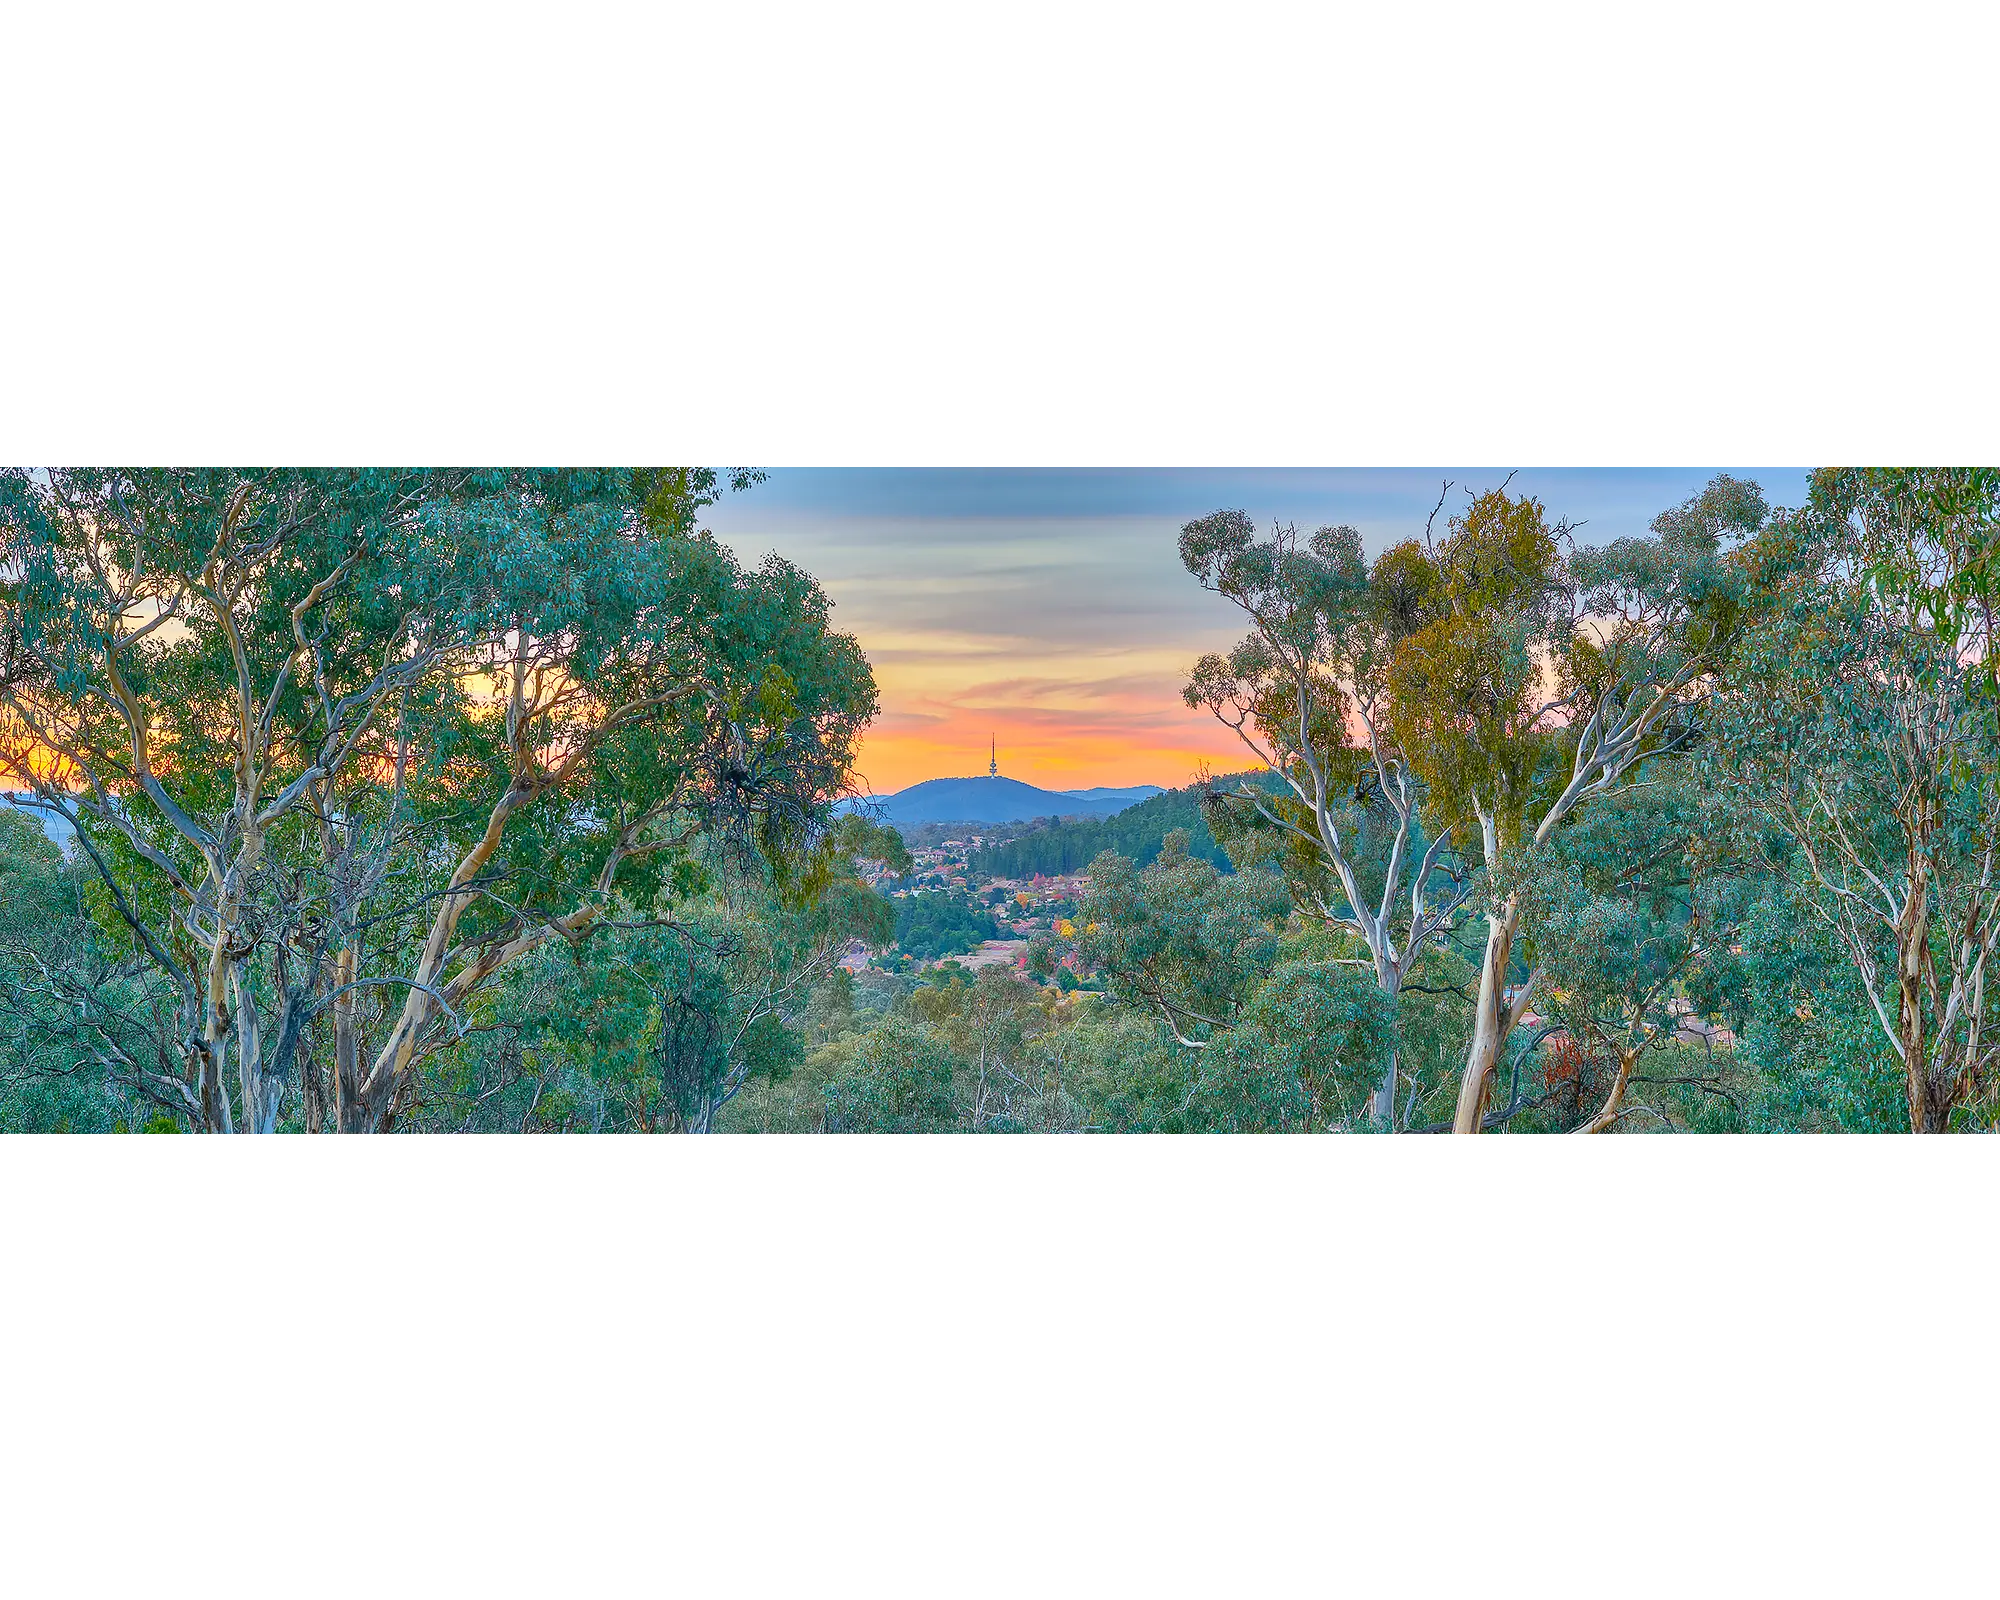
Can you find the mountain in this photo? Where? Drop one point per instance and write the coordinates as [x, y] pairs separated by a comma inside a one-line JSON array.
[[1139, 791], [987, 800]]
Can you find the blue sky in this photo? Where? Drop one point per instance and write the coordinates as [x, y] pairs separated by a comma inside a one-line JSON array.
[[1617, 500]]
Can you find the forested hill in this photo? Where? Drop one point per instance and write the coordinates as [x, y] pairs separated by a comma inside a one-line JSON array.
[[1136, 831]]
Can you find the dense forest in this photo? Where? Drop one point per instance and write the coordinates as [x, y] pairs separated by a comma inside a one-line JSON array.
[[507, 801], [930, 924]]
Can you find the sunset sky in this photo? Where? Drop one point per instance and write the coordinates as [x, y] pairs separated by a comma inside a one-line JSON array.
[[1049, 609]]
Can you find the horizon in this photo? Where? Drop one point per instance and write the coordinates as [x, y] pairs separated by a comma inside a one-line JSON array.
[[999, 777], [1048, 610]]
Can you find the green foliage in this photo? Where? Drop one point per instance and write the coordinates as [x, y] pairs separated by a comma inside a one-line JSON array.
[[931, 923], [1810, 1049], [1464, 684], [1283, 1027], [406, 726], [1307, 1046], [65, 1003], [657, 1024], [1860, 716], [855, 838], [895, 1078], [33, 881], [1621, 916], [1179, 938], [1632, 912]]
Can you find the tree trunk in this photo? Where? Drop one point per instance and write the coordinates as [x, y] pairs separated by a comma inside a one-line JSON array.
[[367, 1114], [1384, 1102], [208, 1078], [1615, 1100], [346, 1045], [1492, 1021], [263, 1089], [1930, 1109], [215, 1030], [1930, 1106]]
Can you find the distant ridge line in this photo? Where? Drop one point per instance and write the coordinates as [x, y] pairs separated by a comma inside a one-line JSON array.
[[993, 799]]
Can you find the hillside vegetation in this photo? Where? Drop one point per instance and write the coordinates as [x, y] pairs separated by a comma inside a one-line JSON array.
[[1136, 832], [931, 923]]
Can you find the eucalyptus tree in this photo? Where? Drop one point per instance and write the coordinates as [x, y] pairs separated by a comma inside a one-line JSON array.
[[1289, 1035], [333, 738], [146, 675], [1177, 938], [1863, 710], [990, 1023], [652, 693], [77, 1027], [899, 1076], [664, 1022], [1628, 910], [1308, 694], [1302, 1055], [1539, 680]]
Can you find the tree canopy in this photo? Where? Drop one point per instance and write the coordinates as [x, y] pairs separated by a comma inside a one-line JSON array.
[[342, 745]]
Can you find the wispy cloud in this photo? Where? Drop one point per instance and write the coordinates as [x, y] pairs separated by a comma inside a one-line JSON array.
[[1050, 609]]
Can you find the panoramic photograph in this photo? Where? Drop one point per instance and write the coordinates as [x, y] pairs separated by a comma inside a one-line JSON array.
[[754, 801]]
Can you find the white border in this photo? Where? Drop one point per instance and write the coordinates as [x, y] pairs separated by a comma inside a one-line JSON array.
[[1133, 234], [996, 1367]]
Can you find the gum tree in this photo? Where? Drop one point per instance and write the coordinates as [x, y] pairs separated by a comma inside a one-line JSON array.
[[159, 628], [647, 692], [1282, 1031], [1177, 938], [1539, 680], [1863, 708], [1628, 912], [343, 745], [1308, 694], [656, 1027]]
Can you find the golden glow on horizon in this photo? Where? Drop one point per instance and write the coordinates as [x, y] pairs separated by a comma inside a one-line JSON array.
[[1074, 721], [1066, 637], [891, 763]]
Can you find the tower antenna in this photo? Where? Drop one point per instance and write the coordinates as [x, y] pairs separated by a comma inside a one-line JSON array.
[[993, 766]]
